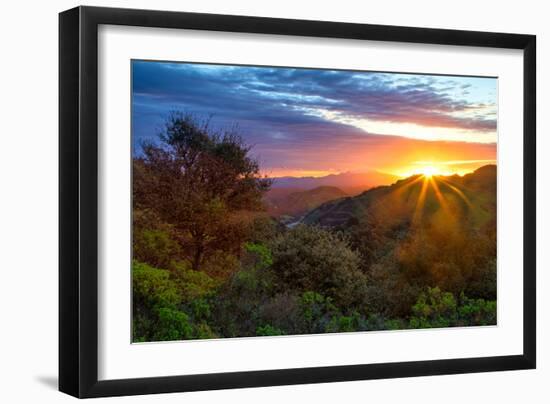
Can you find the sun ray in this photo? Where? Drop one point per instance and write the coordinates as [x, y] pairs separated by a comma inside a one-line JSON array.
[[401, 189], [461, 194], [437, 191], [439, 195], [418, 210]]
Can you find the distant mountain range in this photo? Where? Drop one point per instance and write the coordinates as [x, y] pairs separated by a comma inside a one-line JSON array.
[[350, 183], [295, 203]]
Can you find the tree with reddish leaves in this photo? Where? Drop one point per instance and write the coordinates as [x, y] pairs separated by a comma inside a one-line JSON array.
[[202, 183]]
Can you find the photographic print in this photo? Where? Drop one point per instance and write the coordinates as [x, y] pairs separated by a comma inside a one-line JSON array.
[[272, 201]]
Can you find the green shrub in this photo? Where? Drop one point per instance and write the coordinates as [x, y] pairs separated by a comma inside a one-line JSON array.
[[153, 241], [309, 258], [436, 309], [153, 287], [193, 284], [166, 309], [345, 323], [259, 254], [268, 330], [316, 311], [203, 331], [172, 325], [477, 311]]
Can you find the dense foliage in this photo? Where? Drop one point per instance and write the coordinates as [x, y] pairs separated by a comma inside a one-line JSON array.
[[210, 262]]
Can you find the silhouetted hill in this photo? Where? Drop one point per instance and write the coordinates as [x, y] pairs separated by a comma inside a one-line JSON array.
[[289, 202], [470, 199]]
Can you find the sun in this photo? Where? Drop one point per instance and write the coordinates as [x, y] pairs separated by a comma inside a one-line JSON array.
[[429, 171]]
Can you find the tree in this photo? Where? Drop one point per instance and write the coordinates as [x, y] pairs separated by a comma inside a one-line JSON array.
[[308, 258], [200, 182]]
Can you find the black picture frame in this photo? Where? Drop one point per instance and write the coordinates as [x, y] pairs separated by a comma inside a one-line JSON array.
[[78, 201]]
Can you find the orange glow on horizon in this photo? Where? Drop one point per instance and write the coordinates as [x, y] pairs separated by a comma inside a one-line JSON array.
[[283, 172], [427, 169], [441, 168], [400, 157]]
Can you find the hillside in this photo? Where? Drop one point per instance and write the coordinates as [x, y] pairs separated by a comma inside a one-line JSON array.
[[290, 202], [471, 198]]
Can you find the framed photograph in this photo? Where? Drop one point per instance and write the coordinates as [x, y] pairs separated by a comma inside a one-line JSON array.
[[251, 201]]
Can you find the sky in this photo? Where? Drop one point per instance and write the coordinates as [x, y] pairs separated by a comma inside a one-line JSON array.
[[314, 122]]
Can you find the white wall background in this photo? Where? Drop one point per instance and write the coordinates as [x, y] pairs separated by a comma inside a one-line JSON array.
[[28, 200]]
